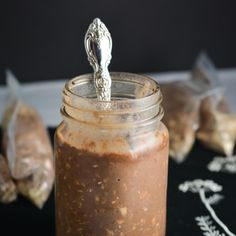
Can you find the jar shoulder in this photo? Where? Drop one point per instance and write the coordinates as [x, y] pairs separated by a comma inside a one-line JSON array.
[[112, 141]]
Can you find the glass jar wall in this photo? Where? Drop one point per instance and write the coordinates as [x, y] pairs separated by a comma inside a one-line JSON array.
[[111, 159]]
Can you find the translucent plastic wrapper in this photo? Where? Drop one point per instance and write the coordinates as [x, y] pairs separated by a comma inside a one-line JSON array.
[[217, 124], [8, 192], [218, 128], [27, 148], [181, 105]]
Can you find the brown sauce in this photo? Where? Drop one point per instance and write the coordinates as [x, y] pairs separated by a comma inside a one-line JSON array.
[[110, 194]]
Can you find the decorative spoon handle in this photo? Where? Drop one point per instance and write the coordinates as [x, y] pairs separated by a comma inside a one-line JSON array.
[[98, 45]]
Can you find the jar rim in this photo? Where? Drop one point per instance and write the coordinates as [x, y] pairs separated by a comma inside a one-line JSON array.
[[85, 78]]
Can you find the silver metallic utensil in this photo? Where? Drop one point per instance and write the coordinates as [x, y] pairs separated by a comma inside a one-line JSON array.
[[98, 45]]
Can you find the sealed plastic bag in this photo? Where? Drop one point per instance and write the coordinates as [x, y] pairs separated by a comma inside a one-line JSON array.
[[8, 191], [181, 105], [217, 124], [27, 148]]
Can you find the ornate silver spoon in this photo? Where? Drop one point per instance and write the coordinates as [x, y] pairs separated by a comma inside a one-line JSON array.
[[98, 45]]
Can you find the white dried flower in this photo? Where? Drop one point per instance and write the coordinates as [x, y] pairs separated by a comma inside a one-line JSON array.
[[201, 187], [224, 164], [197, 184]]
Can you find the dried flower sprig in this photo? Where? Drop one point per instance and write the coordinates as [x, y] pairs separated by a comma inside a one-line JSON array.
[[202, 187], [206, 225], [198, 184], [223, 164]]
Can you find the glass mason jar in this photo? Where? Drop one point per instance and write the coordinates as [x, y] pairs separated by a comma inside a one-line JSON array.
[[111, 159]]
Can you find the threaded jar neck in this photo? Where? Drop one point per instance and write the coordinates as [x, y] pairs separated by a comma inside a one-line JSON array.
[[135, 101]]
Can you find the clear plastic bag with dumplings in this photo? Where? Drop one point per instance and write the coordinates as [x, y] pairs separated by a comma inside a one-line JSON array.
[[8, 192], [27, 148], [217, 129], [181, 106]]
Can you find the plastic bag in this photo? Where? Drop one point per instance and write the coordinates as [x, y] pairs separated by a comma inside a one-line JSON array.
[[8, 191], [217, 124], [181, 106], [27, 148]]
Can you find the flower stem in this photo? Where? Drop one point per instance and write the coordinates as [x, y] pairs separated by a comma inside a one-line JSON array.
[[213, 214]]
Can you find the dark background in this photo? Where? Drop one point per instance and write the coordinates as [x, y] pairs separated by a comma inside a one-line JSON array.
[[42, 39]]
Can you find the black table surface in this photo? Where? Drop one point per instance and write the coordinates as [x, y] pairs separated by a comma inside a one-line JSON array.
[[22, 218]]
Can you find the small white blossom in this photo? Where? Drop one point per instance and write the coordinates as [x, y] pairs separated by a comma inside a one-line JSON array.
[[197, 184], [224, 164]]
